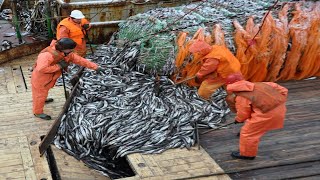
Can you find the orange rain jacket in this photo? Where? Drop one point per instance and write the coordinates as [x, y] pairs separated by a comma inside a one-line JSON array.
[[69, 29], [46, 71], [262, 107], [216, 67]]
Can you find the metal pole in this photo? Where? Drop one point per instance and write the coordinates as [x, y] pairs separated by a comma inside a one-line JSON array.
[[197, 133], [48, 19], [15, 20], [185, 80], [86, 34], [219, 127], [64, 85]]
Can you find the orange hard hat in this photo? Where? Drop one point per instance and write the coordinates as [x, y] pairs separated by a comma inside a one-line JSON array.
[[200, 47]]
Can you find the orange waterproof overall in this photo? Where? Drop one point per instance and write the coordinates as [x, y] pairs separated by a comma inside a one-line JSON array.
[[216, 67], [262, 107], [46, 72], [69, 29]]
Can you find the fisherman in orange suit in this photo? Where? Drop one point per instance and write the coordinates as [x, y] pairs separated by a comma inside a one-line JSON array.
[[75, 27], [261, 106], [47, 69], [219, 66]]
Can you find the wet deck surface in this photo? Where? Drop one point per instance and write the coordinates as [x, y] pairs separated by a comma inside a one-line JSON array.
[[292, 152]]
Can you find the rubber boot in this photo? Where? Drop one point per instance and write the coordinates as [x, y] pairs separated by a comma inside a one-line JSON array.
[[238, 156], [49, 100], [43, 116]]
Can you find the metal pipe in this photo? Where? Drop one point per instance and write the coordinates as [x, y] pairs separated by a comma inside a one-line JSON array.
[[64, 85], [90, 3], [219, 127], [48, 19], [85, 33], [15, 20], [185, 80], [106, 23], [197, 133]]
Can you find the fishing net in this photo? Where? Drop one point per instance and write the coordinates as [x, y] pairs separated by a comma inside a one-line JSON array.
[[279, 50], [158, 29], [158, 52], [274, 51]]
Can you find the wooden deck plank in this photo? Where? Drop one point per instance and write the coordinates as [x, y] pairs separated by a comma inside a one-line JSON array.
[[8, 157], [11, 162], [11, 133], [12, 175], [26, 98], [18, 79], [41, 166], [70, 168], [9, 80], [26, 158], [76, 176], [140, 166], [174, 163], [14, 168], [153, 165], [313, 177], [286, 142], [292, 171], [3, 84]]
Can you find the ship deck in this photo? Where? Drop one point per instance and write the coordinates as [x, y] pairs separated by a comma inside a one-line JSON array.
[[21, 135], [292, 152]]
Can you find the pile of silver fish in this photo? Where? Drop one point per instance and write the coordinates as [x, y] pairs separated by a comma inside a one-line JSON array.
[[122, 111]]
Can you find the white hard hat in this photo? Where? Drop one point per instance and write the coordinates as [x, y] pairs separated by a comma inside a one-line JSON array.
[[76, 14]]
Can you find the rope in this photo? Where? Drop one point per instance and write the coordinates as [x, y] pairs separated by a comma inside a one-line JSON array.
[[270, 8]]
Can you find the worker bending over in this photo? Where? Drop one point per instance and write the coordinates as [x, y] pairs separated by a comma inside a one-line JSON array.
[[75, 27], [261, 106], [47, 69], [218, 66]]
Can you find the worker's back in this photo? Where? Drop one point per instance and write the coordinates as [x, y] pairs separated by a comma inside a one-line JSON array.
[[228, 63]]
